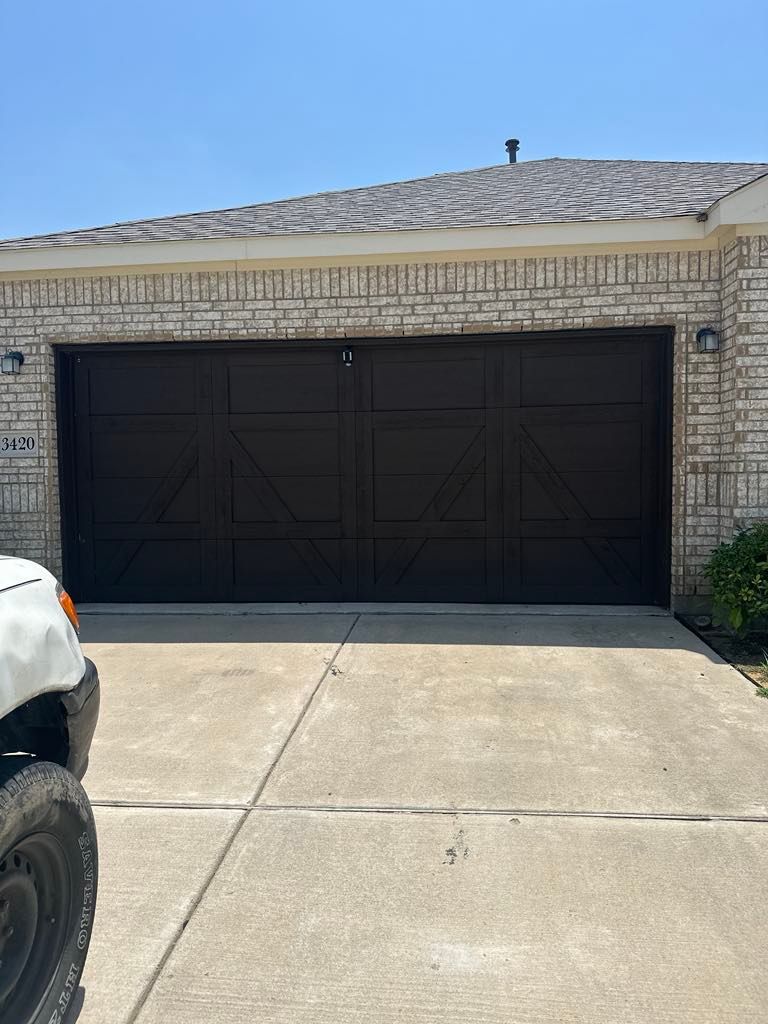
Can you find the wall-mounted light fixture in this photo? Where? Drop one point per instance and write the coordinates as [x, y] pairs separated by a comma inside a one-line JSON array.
[[707, 340], [11, 362]]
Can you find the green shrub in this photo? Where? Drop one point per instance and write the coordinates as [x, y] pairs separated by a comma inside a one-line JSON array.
[[739, 575]]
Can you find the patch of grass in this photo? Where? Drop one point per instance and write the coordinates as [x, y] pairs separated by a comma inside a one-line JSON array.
[[762, 691]]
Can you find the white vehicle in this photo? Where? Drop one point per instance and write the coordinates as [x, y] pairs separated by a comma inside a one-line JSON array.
[[49, 704]]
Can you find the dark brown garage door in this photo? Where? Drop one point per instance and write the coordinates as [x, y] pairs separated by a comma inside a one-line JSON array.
[[519, 470]]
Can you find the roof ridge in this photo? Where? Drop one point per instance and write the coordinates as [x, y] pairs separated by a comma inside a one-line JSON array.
[[266, 202], [676, 163], [274, 211]]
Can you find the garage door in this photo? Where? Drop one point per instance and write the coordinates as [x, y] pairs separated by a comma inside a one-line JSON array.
[[519, 470]]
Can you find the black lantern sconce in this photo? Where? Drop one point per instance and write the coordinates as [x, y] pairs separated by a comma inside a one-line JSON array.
[[708, 340], [11, 362]]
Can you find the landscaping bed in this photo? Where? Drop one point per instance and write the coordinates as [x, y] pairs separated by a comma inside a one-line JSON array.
[[738, 574], [749, 654]]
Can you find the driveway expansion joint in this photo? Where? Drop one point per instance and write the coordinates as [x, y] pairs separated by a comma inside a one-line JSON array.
[[171, 805], [302, 714], [245, 813], [485, 812], [514, 812], [160, 966]]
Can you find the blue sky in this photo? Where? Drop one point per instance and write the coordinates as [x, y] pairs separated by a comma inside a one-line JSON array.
[[111, 111]]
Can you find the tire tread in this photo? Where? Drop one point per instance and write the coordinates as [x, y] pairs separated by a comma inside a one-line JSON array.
[[20, 773]]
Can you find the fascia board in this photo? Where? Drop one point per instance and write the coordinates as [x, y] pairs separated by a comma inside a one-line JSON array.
[[357, 245]]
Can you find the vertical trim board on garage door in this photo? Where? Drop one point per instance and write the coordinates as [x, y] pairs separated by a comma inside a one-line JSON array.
[[423, 471], [143, 457], [283, 425], [588, 470]]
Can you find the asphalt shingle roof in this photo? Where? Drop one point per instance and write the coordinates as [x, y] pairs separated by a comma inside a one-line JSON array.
[[530, 192]]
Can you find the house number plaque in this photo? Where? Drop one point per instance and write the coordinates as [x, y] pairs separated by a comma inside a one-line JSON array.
[[19, 446]]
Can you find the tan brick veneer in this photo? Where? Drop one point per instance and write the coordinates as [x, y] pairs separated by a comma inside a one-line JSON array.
[[720, 432]]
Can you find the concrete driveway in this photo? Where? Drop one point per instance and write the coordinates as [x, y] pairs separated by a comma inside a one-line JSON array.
[[390, 817]]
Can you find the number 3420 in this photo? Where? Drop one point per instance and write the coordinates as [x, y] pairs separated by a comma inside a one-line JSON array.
[[18, 443]]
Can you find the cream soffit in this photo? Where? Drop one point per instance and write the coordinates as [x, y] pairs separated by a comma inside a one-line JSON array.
[[745, 210]]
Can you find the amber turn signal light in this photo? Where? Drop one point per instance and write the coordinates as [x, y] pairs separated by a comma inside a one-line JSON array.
[[68, 605]]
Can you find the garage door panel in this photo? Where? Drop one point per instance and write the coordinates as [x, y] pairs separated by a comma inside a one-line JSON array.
[[293, 386], [582, 447], [276, 452], [535, 500], [469, 503], [280, 435], [308, 499], [610, 495], [402, 498], [442, 561], [141, 390], [123, 500], [490, 470], [424, 450], [412, 497], [140, 563], [427, 569], [439, 530], [295, 561], [426, 418], [590, 594], [549, 561], [118, 533], [609, 379], [143, 454], [606, 494], [151, 424], [432, 379], [581, 528], [145, 477], [280, 423], [604, 415], [574, 561], [630, 551], [283, 531], [184, 506], [307, 569]]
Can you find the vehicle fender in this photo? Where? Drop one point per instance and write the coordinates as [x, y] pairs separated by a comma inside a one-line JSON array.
[[39, 648]]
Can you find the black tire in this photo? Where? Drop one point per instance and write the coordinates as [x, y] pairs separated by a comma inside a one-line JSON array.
[[48, 879]]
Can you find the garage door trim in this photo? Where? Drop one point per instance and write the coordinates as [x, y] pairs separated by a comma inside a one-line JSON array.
[[67, 355]]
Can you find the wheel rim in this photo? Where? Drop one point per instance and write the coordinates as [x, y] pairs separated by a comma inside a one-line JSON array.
[[35, 896]]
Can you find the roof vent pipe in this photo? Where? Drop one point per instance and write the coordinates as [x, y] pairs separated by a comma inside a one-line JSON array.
[[512, 147]]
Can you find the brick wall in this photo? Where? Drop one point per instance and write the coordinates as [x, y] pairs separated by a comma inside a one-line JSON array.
[[720, 431], [745, 463]]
